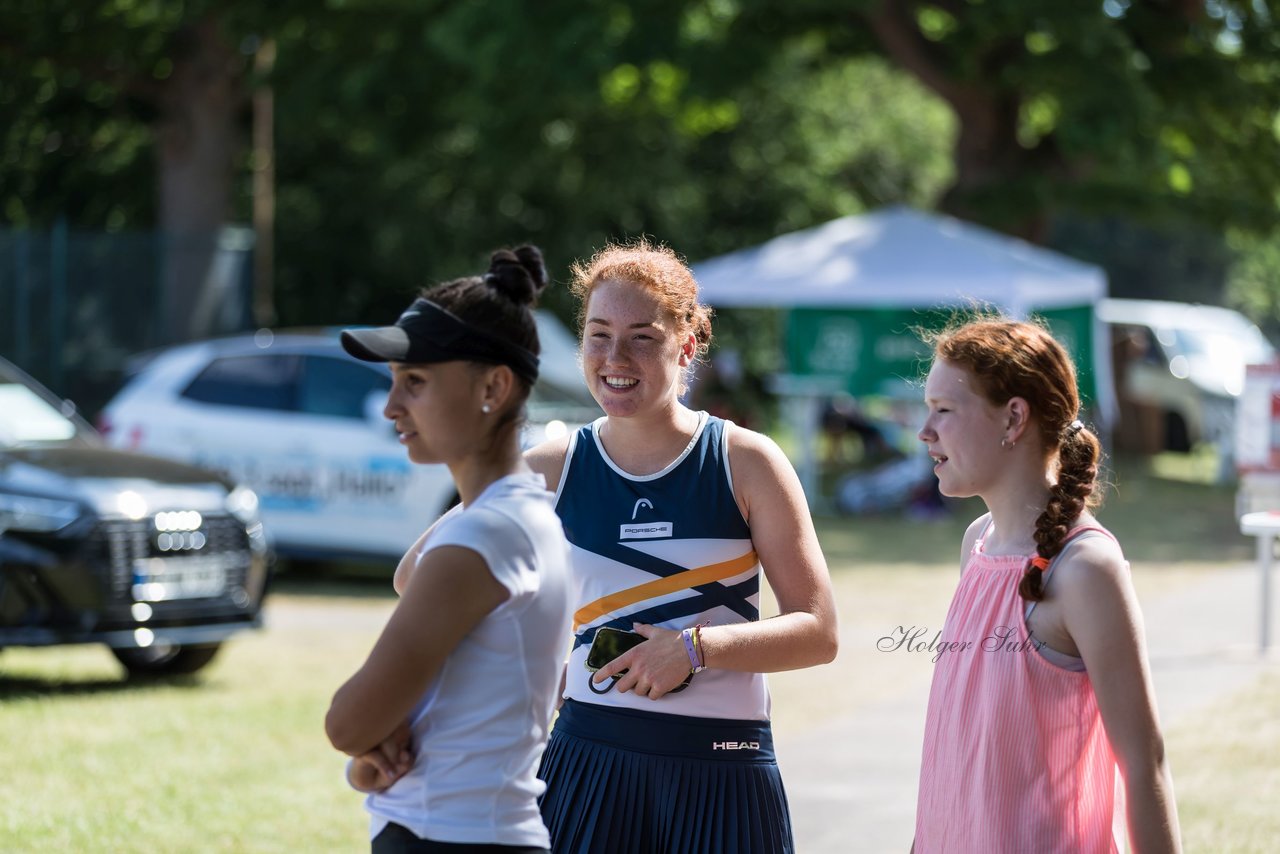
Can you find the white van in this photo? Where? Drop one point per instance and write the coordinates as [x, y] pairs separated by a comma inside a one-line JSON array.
[[1179, 368], [300, 422]]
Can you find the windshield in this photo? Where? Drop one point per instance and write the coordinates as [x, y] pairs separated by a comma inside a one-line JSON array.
[[1244, 346], [1219, 353], [27, 418]]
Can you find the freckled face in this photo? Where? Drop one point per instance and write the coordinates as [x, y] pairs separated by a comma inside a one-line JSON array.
[[633, 353], [963, 432], [436, 409]]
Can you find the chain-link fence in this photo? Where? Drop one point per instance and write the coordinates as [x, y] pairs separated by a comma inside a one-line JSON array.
[[76, 305]]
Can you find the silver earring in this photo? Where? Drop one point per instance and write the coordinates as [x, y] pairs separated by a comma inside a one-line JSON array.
[[1005, 443], [485, 409]]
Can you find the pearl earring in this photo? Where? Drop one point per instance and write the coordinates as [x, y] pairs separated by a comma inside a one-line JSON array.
[[485, 409]]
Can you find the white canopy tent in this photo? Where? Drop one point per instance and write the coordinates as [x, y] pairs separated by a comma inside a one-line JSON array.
[[895, 262], [898, 257]]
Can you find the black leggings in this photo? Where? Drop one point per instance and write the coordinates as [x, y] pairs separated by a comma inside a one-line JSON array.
[[395, 839]]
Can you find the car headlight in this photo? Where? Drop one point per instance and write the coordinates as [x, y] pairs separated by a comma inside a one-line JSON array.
[[41, 515], [242, 503]]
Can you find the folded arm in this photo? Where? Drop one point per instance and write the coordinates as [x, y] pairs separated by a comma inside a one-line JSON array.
[[446, 596]]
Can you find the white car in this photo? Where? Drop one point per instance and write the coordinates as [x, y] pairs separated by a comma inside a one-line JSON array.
[[300, 422], [1184, 362]]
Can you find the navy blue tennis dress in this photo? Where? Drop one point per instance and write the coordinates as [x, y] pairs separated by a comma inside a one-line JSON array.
[[693, 771]]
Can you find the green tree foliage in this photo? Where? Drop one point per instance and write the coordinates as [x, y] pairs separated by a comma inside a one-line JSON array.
[[1253, 285], [74, 139], [1150, 108], [411, 137], [602, 134], [127, 114]]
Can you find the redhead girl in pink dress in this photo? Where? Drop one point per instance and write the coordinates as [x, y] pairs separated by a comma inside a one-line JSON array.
[[1042, 733]]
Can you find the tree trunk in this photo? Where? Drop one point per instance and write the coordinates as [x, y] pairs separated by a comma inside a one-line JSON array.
[[998, 182], [197, 141], [264, 193]]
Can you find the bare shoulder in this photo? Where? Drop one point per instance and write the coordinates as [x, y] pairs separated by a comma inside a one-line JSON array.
[[762, 475], [971, 534], [547, 459], [975, 529], [1100, 606], [754, 453], [1091, 565]]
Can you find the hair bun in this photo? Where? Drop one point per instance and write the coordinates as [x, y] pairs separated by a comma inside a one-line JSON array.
[[519, 275]]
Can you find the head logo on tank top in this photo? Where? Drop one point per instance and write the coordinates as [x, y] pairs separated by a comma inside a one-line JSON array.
[[642, 530]]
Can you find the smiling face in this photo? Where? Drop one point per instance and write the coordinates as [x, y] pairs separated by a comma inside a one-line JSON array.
[[436, 409], [633, 351], [963, 431]]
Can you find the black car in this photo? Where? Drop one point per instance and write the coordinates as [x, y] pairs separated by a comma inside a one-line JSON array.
[[160, 561]]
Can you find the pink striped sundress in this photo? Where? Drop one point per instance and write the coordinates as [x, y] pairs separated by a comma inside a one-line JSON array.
[[1015, 757]]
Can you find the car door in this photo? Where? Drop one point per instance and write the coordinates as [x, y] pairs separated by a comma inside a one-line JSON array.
[[239, 415], [373, 499]]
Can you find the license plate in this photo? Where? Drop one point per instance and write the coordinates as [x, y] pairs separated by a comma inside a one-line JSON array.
[[158, 579]]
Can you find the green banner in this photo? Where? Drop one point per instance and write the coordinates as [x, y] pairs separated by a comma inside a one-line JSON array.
[[874, 351], [1073, 327]]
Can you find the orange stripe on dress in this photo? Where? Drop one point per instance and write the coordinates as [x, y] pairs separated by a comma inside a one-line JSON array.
[[660, 587]]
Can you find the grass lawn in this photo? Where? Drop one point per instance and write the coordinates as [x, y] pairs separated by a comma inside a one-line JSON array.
[[233, 761], [236, 760], [1162, 510], [1227, 799]]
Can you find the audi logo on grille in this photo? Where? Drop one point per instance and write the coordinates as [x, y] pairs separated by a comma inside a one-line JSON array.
[[178, 520], [186, 541]]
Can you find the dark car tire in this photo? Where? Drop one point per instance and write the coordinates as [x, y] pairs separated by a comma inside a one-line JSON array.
[[166, 660]]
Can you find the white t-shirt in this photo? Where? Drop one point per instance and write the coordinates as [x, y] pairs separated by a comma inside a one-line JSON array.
[[482, 725]]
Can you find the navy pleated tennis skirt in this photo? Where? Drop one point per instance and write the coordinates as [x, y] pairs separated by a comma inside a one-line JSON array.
[[629, 782]]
